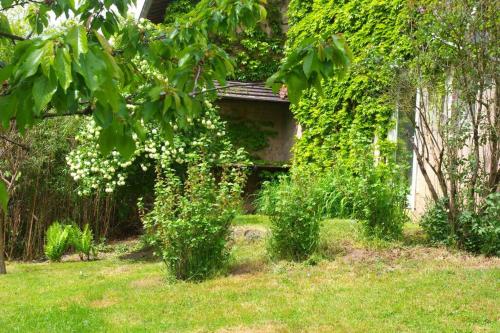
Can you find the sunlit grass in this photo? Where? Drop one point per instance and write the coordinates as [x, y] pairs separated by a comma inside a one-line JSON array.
[[354, 287]]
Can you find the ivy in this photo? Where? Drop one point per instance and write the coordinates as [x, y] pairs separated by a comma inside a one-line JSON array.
[[250, 135], [351, 111]]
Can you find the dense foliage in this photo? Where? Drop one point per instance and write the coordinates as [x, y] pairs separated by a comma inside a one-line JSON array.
[[353, 111], [257, 51], [479, 232]]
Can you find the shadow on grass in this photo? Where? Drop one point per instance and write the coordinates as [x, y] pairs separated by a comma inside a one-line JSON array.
[[145, 254]]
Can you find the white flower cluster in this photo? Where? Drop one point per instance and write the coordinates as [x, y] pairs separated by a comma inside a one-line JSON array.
[[202, 140]]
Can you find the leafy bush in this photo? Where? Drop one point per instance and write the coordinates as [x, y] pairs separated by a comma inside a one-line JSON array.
[[191, 219], [435, 224], [83, 241], [292, 206], [57, 240], [477, 232]]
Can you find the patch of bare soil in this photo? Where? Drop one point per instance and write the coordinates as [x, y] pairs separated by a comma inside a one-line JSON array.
[[393, 255], [268, 328], [103, 303], [147, 282], [248, 267], [143, 254], [249, 233]]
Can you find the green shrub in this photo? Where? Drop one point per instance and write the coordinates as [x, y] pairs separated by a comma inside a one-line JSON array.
[[292, 207], [477, 232], [435, 224], [191, 219], [57, 240], [489, 228], [83, 241]]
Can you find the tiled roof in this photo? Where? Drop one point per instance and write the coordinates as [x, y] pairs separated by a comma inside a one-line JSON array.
[[249, 91]]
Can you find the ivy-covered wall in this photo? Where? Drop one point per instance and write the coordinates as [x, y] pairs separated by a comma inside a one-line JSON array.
[[355, 109]]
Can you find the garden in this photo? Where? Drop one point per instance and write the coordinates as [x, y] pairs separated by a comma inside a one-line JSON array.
[[130, 201]]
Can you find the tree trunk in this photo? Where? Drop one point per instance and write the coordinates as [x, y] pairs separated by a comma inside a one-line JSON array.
[[3, 269]]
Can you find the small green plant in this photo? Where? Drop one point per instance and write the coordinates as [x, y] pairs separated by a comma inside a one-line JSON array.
[[292, 207], [435, 224], [83, 242], [57, 240]]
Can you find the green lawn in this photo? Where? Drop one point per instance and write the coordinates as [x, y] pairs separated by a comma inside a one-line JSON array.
[[359, 287]]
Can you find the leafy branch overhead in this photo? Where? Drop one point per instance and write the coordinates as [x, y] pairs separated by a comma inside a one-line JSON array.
[[127, 74]]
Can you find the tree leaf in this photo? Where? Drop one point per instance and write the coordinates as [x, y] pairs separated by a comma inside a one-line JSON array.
[[8, 107], [77, 39], [104, 43], [4, 24], [30, 64], [43, 90], [48, 57], [62, 67], [126, 145]]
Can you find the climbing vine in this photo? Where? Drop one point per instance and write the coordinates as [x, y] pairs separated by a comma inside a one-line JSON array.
[[355, 110]]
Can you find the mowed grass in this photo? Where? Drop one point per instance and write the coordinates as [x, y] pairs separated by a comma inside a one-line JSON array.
[[353, 286]]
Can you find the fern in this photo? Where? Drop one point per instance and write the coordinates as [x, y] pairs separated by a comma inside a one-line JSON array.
[[57, 241]]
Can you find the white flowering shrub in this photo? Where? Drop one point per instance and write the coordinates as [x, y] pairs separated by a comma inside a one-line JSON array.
[[205, 136]]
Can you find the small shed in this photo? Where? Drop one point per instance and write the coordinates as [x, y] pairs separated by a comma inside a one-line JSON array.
[[250, 109]]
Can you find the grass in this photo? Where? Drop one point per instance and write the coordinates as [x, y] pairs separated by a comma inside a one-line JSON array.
[[359, 286]]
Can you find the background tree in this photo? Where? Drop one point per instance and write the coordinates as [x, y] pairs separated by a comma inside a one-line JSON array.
[[457, 121]]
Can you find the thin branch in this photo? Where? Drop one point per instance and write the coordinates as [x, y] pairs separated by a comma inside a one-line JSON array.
[[86, 112], [3, 137]]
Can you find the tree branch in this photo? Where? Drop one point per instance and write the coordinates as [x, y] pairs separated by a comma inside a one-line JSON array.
[[11, 36]]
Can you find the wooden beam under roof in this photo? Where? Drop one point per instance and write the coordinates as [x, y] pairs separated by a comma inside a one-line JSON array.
[[154, 10]]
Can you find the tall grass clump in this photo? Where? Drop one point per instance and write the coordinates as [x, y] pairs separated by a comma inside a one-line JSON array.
[[374, 194], [291, 203]]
